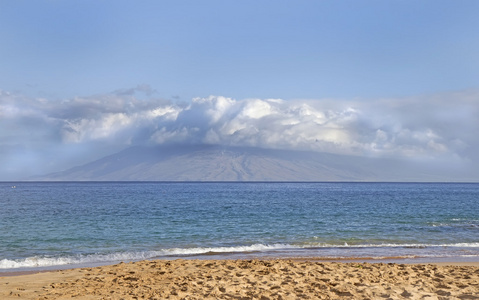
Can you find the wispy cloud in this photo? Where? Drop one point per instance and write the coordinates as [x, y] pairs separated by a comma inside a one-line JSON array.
[[38, 135]]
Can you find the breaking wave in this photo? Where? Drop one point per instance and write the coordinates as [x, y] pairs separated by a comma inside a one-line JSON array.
[[105, 258]]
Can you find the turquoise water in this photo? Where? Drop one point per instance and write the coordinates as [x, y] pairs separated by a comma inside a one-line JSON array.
[[45, 224]]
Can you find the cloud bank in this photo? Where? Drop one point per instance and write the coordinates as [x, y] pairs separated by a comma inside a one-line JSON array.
[[41, 135]]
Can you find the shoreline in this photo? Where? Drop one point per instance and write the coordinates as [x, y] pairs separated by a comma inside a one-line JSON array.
[[249, 279], [449, 261]]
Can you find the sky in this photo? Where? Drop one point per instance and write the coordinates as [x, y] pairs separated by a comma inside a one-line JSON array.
[[84, 79]]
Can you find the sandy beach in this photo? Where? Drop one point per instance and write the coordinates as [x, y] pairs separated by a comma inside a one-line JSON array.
[[248, 279]]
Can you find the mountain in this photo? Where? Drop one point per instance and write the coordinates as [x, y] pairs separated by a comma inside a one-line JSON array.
[[219, 163]]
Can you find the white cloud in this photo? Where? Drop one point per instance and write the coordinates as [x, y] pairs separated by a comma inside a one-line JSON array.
[[434, 127], [169, 112], [256, 109]]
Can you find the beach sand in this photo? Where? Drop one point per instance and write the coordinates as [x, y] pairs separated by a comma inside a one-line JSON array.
[[248, 279]]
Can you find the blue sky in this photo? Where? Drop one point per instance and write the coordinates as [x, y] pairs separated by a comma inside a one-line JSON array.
[[240, 49], [81, 79]]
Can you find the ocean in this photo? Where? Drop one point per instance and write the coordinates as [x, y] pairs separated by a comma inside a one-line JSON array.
[[68, 224]]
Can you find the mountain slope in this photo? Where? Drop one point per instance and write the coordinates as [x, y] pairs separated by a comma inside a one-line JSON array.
[[217, 163]]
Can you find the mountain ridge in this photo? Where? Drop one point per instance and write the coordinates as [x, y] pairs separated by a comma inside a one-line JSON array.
[[222, 163]]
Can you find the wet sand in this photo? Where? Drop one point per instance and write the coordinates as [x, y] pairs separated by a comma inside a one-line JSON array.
[[249, 279]]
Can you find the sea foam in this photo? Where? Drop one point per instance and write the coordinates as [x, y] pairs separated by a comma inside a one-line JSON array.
[[104, 258]]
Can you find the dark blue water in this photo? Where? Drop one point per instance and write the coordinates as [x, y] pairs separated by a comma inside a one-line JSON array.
[[50, 224]]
